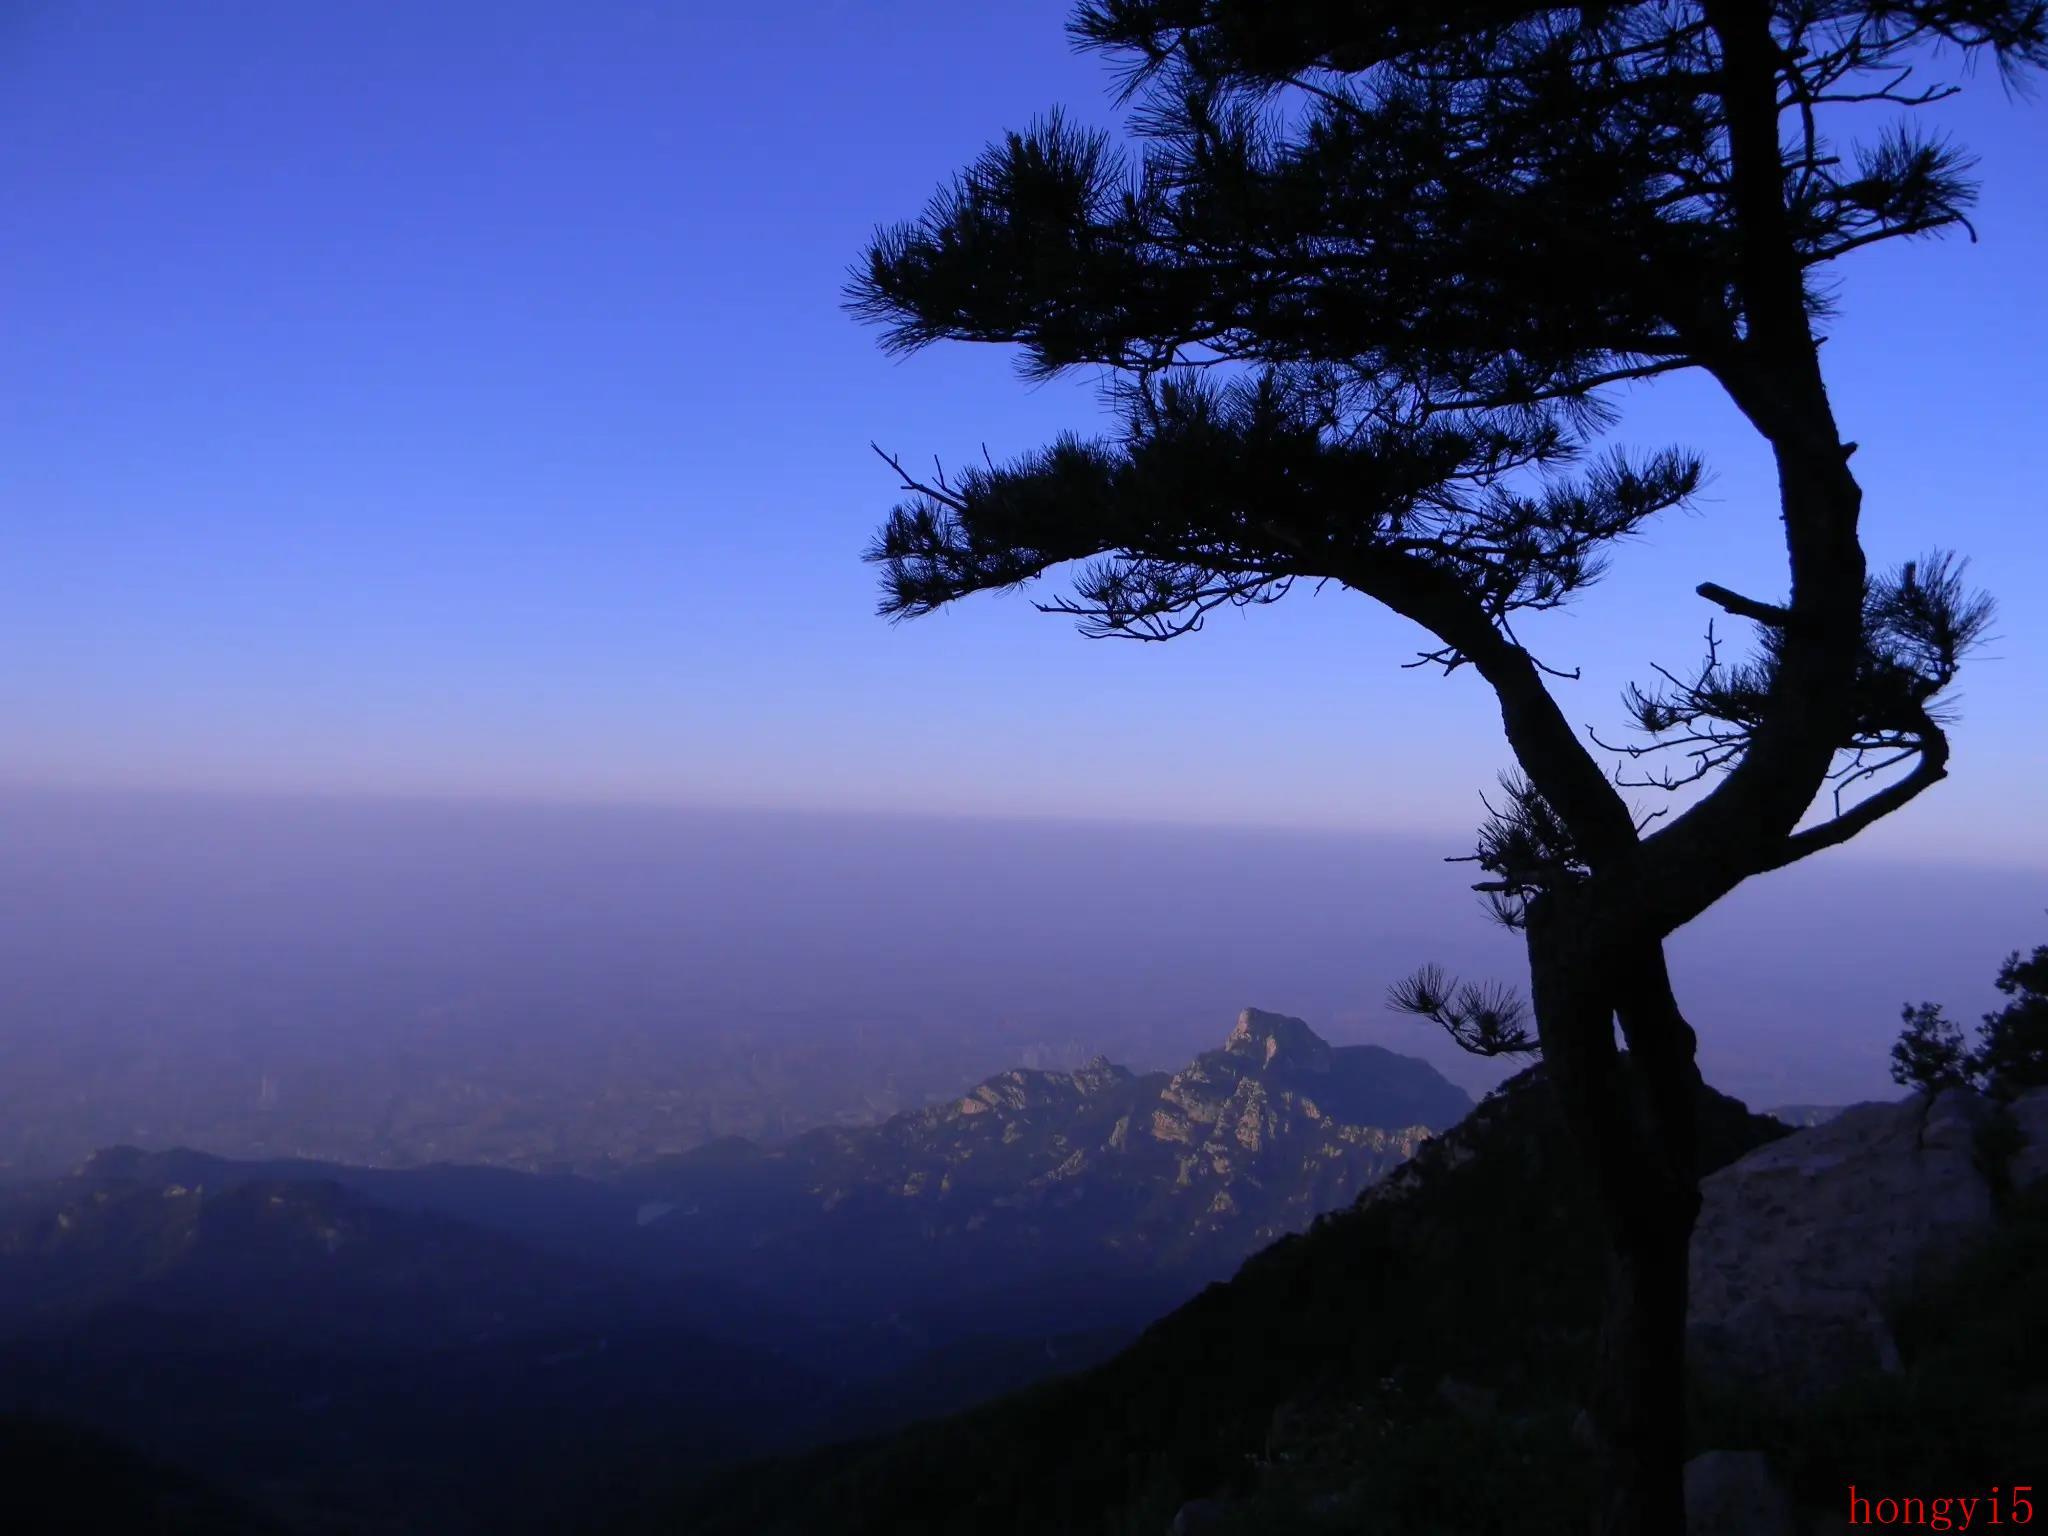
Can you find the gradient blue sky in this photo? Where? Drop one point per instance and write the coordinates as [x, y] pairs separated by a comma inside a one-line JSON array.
[[454, 399]]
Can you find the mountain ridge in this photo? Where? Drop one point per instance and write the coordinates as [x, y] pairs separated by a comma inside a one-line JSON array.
[[217, 1313], [1192, 1168]]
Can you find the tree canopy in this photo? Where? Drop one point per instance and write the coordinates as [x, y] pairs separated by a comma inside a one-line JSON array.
[[2011, 1054], [1359, 289]]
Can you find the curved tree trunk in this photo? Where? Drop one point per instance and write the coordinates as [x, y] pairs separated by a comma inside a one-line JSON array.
[[1634, 1116]]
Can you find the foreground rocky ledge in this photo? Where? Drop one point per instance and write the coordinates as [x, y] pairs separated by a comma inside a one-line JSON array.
[[1806, 1245]]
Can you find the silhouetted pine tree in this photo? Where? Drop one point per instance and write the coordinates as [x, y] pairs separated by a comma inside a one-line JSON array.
[[1362, 286], [1929, 1054], [2012, 1044], [2011, 1055]]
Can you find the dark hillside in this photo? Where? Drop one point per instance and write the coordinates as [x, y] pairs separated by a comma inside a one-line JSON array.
[[1469, 1263], [56, 1480], [358, 1368]]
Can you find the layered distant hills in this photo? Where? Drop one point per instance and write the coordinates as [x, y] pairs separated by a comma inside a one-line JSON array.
[[1182, 1172], [477, 1085], [448, 1347]]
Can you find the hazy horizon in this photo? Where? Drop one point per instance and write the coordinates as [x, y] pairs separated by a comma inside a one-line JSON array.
[[181, 924]]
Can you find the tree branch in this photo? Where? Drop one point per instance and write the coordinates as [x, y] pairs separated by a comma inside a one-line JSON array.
[[1744, 607], [1929, 771]]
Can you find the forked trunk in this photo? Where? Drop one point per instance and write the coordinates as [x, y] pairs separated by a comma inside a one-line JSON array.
[[1633, 1117], [1640, 1404], [1642, 1347]]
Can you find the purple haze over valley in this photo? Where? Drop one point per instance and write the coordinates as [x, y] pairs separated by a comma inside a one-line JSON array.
[[284, 945]]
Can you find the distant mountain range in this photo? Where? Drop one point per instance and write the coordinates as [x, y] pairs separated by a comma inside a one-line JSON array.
[[447, 1347], [1098, 1167], [470, 1085]]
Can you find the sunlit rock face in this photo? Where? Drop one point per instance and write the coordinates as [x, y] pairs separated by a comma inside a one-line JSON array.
[[1197, 1168], [1271, 1037], [1279, 1125]]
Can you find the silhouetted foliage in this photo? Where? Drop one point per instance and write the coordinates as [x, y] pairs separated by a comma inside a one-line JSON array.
[[1360, 292], [2012, 1044], [1487, 1020], [2011, 1053], [1929, 1054]]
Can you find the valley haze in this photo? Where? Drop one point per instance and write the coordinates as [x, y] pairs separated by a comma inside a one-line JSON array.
[[404, 981]]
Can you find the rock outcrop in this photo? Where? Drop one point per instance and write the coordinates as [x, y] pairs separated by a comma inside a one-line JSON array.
[[1732, 1493], [1806, 1245], [2030, 1119]]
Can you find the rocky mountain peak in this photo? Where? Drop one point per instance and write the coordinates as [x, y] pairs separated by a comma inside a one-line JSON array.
[[1273, 1040]]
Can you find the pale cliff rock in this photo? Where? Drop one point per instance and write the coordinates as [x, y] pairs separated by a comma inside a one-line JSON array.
[[1805, 1246], [2030, 1117]]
